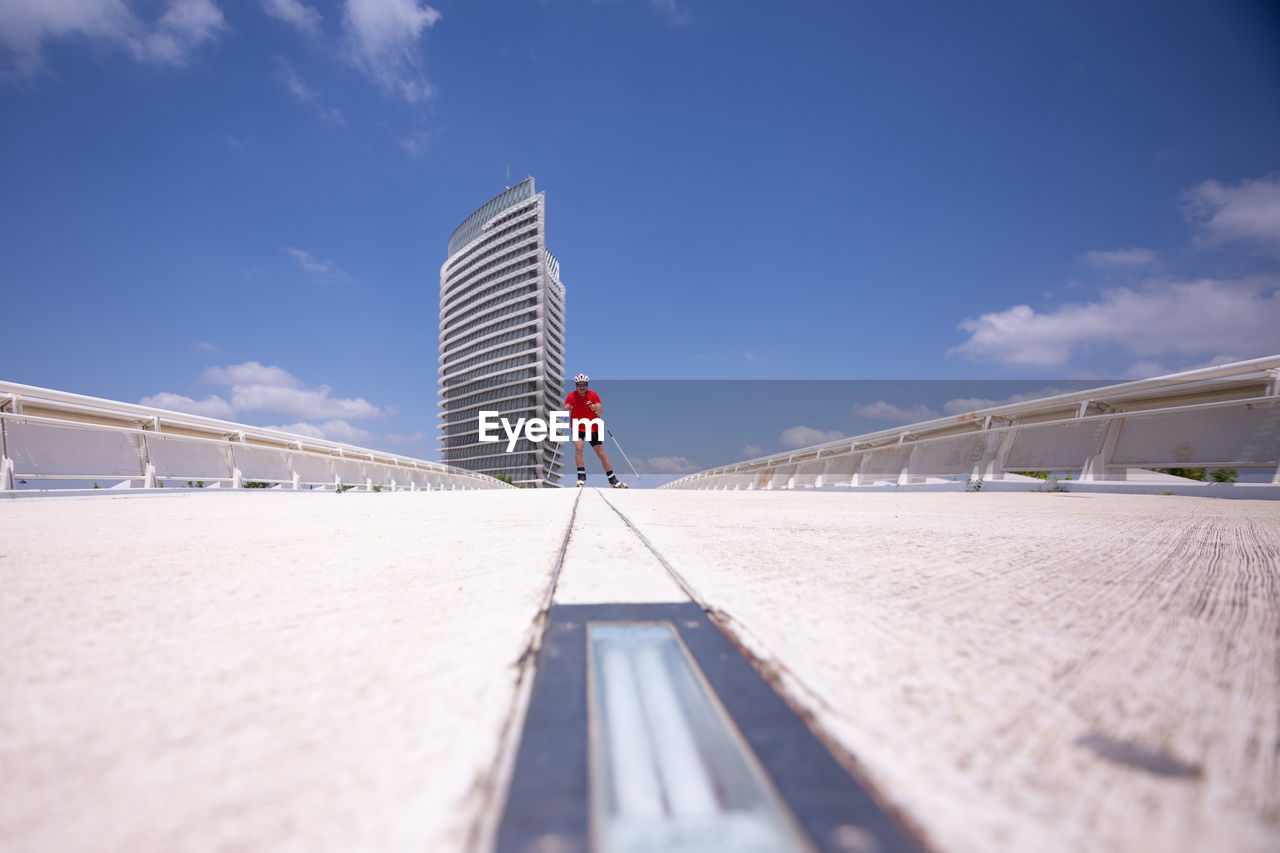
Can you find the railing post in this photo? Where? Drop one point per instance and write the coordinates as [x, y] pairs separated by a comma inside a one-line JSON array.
[[6, 464], [144, 457], [990, 465], [232, 467], [1003, 446], [858, 475], [904, 476], [1095, 467], [1273, 390]]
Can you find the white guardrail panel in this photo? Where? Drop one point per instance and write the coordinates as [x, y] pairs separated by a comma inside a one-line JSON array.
[[1226, 416], [50, 438]]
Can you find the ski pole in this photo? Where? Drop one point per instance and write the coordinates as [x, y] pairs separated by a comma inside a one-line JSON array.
[[624, 453]]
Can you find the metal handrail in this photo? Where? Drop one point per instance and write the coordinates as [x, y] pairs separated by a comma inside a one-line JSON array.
[[28, 404], [998, 421]]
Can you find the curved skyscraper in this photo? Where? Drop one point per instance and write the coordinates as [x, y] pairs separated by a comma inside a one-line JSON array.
[[501, 335]]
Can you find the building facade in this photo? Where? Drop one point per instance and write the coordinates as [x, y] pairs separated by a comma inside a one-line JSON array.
[[502, 338]]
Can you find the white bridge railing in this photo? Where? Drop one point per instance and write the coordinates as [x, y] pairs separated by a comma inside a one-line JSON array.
[[51, 438], [1222, 417]]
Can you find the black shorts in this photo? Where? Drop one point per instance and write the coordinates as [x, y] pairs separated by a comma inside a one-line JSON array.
[[591, 436]]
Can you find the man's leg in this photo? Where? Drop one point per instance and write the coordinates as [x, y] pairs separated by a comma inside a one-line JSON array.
[[580, 461], [608, 469]]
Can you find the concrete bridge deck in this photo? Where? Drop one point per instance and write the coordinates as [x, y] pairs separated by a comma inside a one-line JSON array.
[[1053, 671]]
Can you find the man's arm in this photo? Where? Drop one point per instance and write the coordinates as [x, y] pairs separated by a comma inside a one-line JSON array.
[[597, 406]]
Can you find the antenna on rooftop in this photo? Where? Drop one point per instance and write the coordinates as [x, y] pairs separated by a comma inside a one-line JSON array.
[[508, 176]]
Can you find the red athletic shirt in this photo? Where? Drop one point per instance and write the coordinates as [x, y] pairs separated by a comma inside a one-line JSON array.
[[578, 406]]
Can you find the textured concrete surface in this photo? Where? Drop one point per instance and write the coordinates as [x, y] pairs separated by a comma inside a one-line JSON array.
[[334, 672], [1015, 671], [261, 671], [605, 562]]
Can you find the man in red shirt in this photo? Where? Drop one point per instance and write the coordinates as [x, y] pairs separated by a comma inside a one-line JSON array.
[[584, 405]]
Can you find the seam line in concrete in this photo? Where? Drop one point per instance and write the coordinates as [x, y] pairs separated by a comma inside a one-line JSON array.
[[555, 572], [494, 784], [675, 576]]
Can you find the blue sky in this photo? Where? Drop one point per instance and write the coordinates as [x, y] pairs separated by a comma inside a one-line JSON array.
[[241, 208]]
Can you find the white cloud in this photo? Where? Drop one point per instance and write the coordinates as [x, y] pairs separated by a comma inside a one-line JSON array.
[[340, 430], [184, 26], [382, 41], [305, 403], [415, 143], [1122, 258], [251, 373], [309, 263], [963, 405], [294, 83], [25, 26], [750, 450], [205, 346], [803, 436], [309, 430], [298, 15], [1148, 369], [669, 465], [212, 406], [306, 95], [672, 10], [882, 411], [337, 430], [256, 387], [236, 143], [333, 115], [1248, 212], [1189, 319], [1145, 370]]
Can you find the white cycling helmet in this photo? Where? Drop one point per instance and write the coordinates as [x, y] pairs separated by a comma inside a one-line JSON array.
[[581, 377]]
